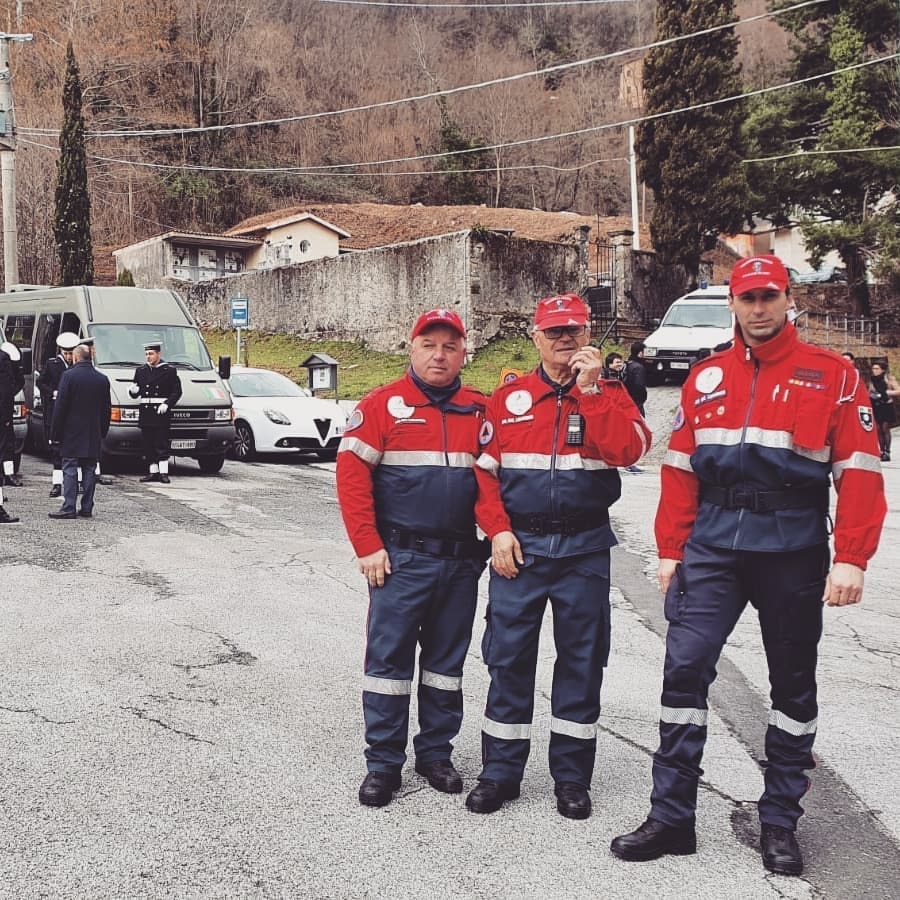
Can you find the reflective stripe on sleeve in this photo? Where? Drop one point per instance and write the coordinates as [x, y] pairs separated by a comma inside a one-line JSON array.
[[366, 452], [387, 685], [867, 462], [441, 682], [678, 460], [427, 458], [683, 715], [488, 463], [791, 726], [543, 461], [506, 732], [574, 729]]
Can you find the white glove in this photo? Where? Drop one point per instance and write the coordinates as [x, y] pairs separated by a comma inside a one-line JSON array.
[[134, 391], [163, 408]]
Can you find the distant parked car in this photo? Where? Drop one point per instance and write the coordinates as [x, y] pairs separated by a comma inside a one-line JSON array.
[[272, 414], [821, 275]]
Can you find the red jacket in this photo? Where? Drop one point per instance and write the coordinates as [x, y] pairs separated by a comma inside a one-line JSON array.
[[527, 469], [405, 462], [782, 416]]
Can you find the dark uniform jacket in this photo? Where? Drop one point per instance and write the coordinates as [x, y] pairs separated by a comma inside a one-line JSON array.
[[81, 414], [12, 380], [48, 385], [158, 384]]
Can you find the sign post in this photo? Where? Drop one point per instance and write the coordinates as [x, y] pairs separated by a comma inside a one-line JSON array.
[[240, 318]]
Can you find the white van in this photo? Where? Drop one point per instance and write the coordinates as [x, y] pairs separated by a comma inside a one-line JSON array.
[[121, 320], [694, 323]]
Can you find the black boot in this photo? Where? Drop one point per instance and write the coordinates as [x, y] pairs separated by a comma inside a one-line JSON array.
[[151, 476], [163, 478], [780, 850], [56, 491], [489, 796], [654, 839], [14, 480], [441, 775], [6, 518], [378, 788], [572, 800]]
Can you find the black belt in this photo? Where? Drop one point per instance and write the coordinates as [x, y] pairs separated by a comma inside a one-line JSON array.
[[541, 524], [435, 545], [740, 496]]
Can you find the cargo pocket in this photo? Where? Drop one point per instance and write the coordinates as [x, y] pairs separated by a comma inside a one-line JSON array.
[[596, 569], [675, 595]]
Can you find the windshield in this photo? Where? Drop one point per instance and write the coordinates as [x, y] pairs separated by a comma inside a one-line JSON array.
[[264, 384], [687, 315], [123, 345]]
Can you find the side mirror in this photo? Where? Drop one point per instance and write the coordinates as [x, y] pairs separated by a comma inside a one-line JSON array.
[[655, 322], [224, 367], [27, 360]]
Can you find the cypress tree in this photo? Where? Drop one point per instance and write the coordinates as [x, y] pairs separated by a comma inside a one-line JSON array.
[[72, 215], [693, 160]]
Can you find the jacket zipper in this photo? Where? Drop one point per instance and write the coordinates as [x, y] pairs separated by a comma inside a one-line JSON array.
[[741, 511]]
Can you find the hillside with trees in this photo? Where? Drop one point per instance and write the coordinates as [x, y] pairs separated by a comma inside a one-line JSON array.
[[169, 87]]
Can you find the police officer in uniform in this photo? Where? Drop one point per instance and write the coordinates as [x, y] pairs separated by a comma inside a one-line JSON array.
[[12, 380], [547, 476], [407, 489], [159, 388], [47, 383], [743, 517]]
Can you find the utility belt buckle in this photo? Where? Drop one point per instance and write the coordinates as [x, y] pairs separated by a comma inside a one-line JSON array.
[[743, 498]]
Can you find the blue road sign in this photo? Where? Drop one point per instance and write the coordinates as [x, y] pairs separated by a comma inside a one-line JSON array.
[[240, 312]]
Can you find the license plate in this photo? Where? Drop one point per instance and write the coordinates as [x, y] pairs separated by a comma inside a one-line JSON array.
[[183, 445], [680, 365]]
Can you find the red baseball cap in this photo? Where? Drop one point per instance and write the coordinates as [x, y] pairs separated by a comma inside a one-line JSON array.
[[764, 271], [438, 317], [563, 309]]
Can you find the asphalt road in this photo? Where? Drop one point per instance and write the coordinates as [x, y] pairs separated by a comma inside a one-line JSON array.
[[180, 714]]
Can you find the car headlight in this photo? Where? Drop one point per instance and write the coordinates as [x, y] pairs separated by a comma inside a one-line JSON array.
[[124, 414], [223, 414], [279, 418], [649, 351]]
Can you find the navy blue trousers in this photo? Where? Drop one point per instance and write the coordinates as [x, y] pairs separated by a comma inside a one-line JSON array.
[[578, 590], [70, 466], [704, 602], [431, 601]]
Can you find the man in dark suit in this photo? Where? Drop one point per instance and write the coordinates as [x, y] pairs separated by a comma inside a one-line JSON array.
[[80, 422]]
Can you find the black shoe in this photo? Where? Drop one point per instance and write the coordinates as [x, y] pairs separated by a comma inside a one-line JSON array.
[[61, 515], [572, 800], [780, 851], [654, 839], [164, 479], [153, 476], [378, 788], [489, 796], [85, 514], [441, 775], [55, 491], [6, 518], [14, 480]]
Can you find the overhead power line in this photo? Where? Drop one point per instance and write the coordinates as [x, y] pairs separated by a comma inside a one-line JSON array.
[[333, 169], [385, 104], [799, 154]]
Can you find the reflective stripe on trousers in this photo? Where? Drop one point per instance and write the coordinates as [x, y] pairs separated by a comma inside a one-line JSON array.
[[703, 603]]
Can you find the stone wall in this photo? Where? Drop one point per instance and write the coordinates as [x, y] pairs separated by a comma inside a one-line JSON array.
[[491, 279]]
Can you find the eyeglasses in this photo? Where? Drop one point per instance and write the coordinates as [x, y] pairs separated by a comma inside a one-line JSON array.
[[554, 334]]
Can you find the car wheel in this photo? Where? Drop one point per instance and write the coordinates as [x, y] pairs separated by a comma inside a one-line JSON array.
[[327, 455], [244, 447], [209, 465]]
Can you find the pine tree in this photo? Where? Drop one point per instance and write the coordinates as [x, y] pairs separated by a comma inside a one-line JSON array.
[[72, 216], [693, 160], [842, 200]]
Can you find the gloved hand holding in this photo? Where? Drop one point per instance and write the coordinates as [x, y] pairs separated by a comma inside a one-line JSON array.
[[134, 391], [163, 408]]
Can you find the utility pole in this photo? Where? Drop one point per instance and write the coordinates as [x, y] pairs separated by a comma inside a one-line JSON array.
[[8, 161]]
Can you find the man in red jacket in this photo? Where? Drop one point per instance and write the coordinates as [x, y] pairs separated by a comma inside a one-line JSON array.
[[547, 476], [743, 517], [406, 486]]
